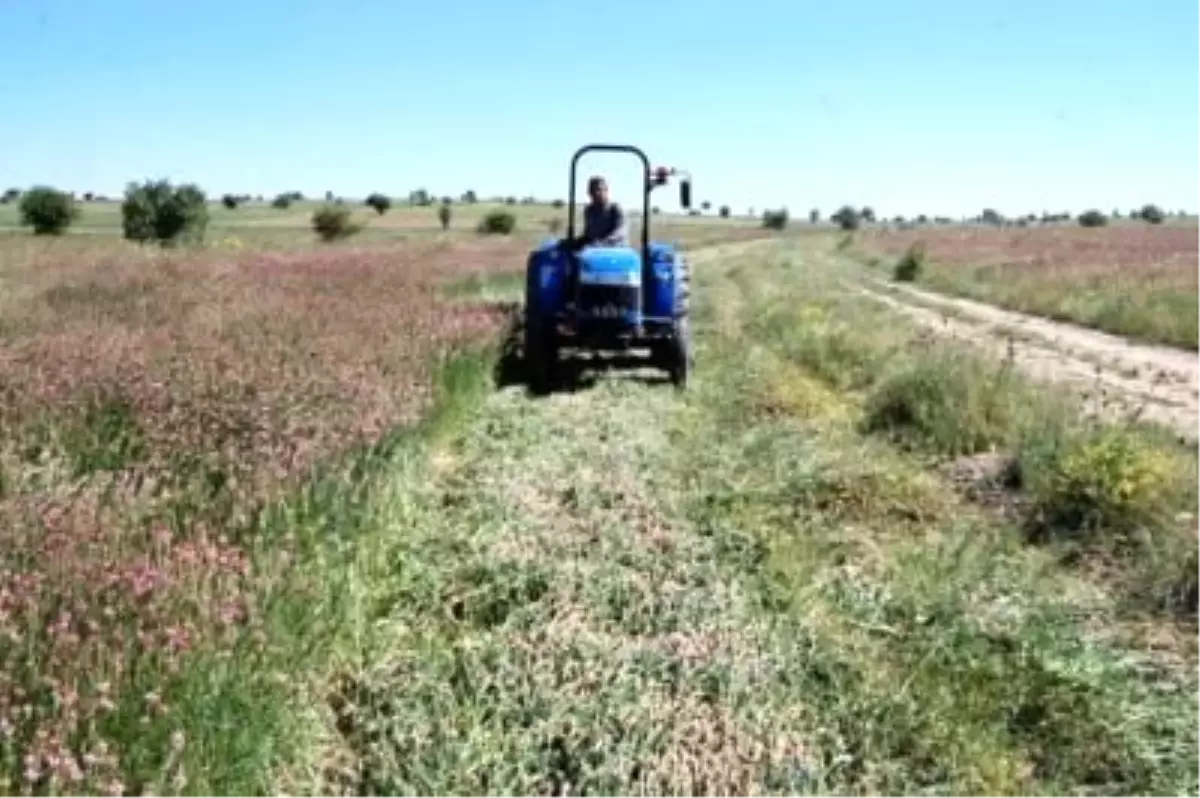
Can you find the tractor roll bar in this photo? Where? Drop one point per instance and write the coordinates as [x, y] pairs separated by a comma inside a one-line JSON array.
[[647, 186]]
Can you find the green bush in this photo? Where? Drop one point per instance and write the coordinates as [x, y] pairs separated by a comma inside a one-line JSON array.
[[158, 211], [775, 220], [1092, 218], [1151, 213], [949, 403], [497, 223], [332, 222], [380, 202], [230, 201], [282, 201], [723, 212], [911, 263], [1103, 480], [444, 215], [47, 210], [847, 218]]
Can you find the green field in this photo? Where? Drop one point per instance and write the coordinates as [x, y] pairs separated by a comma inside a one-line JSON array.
[[281, 520]]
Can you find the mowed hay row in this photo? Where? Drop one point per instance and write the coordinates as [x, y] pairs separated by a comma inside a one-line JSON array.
[[150, 404], [1131, 279]]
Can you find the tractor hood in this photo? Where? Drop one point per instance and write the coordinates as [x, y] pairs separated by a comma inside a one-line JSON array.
[[610, 266]]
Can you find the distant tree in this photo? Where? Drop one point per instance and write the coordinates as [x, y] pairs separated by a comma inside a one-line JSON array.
[[1092, 218], [814, 216], [282, 201], [329, 196], [157, 211], [379, 202], [469, 197], [444, 214], [332, 222], [558, 203], [922, 219], [1116, 213], [1151, 214], [723, 212], [706, 205], [47, 210], [991, 216], [447, 200], [498, 223], [847, 218], [229, 201], [88, 196], [655, 210], [775, 220], [867, 214], [510, 200], [420, 196], [10, 195]]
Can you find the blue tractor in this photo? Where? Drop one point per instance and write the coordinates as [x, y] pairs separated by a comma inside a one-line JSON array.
[[622, 299]]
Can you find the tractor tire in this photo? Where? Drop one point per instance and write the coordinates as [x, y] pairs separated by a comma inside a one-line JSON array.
[[541, 356], [679, 353]]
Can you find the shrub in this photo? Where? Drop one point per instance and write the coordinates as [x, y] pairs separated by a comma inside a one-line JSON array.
[[814, 216], [47, 210], [867, 214], [557, 203], [948, 403], [158, 211], [775, 220], [230, 201], [332, 222], [911, 263], [723, 212], [1092, 218], [706, 205], [847, 218], [1151, 213], [444, 213], [282, 201], [380, 202], [10, 195], [1104, 485], [497, 223], [469, 197]]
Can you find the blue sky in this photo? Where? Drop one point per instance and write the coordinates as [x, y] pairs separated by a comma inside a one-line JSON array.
[[922, 106]]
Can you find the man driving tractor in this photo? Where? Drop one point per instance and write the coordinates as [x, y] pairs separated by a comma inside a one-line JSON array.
[[603, 225], [603, 221]]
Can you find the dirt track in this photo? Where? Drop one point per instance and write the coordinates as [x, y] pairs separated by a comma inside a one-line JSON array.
[[1116, 377]]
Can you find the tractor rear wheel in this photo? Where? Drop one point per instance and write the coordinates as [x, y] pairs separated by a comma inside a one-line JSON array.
[[679, 353], [541, 355]]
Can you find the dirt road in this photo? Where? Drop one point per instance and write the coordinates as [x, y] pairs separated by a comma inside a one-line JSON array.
[[1116, 377]]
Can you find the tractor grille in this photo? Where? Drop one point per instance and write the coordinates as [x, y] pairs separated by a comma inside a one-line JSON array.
[[608, 301]]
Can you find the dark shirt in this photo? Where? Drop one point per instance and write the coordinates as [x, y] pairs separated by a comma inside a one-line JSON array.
[[605, 226]]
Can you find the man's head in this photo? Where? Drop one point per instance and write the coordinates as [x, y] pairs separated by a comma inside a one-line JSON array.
[[598, 190]]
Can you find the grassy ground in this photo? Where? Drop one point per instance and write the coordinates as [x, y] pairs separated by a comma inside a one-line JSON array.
[[1131, 279], [768, 583]]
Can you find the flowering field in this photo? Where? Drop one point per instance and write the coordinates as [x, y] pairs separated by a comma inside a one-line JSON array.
[[1132, 279], [150, 403]]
